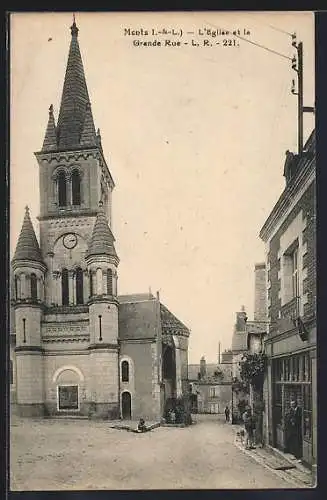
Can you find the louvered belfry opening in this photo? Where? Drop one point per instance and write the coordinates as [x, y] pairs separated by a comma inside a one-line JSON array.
[[79, 286], [76, 188], [62, 189], [64, 287]]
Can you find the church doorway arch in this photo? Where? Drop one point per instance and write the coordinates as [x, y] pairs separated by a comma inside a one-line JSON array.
[[126, 406]]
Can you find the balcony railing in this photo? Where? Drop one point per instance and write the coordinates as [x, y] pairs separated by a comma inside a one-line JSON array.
[[290, 310]]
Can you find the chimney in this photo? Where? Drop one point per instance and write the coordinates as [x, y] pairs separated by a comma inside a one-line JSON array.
[[158, 296], [260, 292], [203, 368], [241, 319]]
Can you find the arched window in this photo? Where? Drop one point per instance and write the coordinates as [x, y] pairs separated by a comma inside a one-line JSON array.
[[91, 283], [33, 287], [62, 191], [125, 371], [64, 288], [16, 287], [79, 286], [76, 187], [109, 281]]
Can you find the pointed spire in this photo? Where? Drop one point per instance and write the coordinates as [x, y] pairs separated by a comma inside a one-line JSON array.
[[102, 240], [99, 138], [27, 246], [50, 139], [74, 97], [74, 29], [88, 137]]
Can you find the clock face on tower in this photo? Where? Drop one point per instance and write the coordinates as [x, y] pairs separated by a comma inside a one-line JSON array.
[[70, 241]]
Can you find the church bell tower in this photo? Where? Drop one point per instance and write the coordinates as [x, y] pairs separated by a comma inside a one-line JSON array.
[[66, 287]]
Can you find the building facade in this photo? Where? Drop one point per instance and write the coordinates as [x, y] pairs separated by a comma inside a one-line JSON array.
[[249, 337], [77, 347], [289, 235], [211, 385]]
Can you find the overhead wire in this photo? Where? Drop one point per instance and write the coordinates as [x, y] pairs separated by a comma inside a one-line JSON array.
[[254, 43]]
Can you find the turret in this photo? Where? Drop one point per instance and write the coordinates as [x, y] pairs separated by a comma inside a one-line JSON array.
[[28, 274], [102, 261]]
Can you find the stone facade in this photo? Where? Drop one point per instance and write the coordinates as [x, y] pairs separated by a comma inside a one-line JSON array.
[[289, 235], [211, 386], [77, 347]]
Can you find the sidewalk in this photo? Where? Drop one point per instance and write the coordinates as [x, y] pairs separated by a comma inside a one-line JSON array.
[[282, 464]]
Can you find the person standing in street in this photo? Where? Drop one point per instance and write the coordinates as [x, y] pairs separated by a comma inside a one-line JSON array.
[[293, 420], [249, 425], [227, 414]]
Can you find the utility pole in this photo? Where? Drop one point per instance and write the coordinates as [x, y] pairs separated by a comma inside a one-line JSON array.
[[297, 65]]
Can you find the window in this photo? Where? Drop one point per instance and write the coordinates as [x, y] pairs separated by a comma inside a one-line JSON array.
[[76, 187], [278, 407], [213, 392], [91, 283], [62, 191], [307, 412], [11, 372], [68, 397], [290, 274], [79, 286], [17, 294], [296, 369], [213, 408], [64, 288], [125, 371], [33, 287], [109, 281], [295, 274]]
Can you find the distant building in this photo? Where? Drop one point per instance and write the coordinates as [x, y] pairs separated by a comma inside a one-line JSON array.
[[289, 235], [211, 385], [249, 336], [76, 346]]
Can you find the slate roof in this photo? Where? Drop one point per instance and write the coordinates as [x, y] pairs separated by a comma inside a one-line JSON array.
[[138, 317], [135, 297], [102, 239], [225, 368], [75, 112], [171, 324], [27, 246], [50, 139]]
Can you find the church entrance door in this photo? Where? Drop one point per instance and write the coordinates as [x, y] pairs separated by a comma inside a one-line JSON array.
[[126, 405]]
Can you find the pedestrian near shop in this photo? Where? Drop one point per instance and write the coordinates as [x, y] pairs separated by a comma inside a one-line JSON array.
[[249, 426], [293, 420]]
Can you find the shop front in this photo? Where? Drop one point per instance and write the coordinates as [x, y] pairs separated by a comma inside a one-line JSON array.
[[292, 386]]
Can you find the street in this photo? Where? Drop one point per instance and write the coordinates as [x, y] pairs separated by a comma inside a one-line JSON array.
[[83, 454]]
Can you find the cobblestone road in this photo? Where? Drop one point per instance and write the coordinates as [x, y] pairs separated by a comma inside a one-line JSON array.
[[79, 454]]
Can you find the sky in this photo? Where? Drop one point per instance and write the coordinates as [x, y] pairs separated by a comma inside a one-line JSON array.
[[194, 137]]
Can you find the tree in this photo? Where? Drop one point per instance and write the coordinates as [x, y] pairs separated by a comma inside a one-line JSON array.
[[239, 386], [252, 369]]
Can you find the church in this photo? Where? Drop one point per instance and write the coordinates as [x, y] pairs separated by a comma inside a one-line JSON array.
[[76, 346]]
